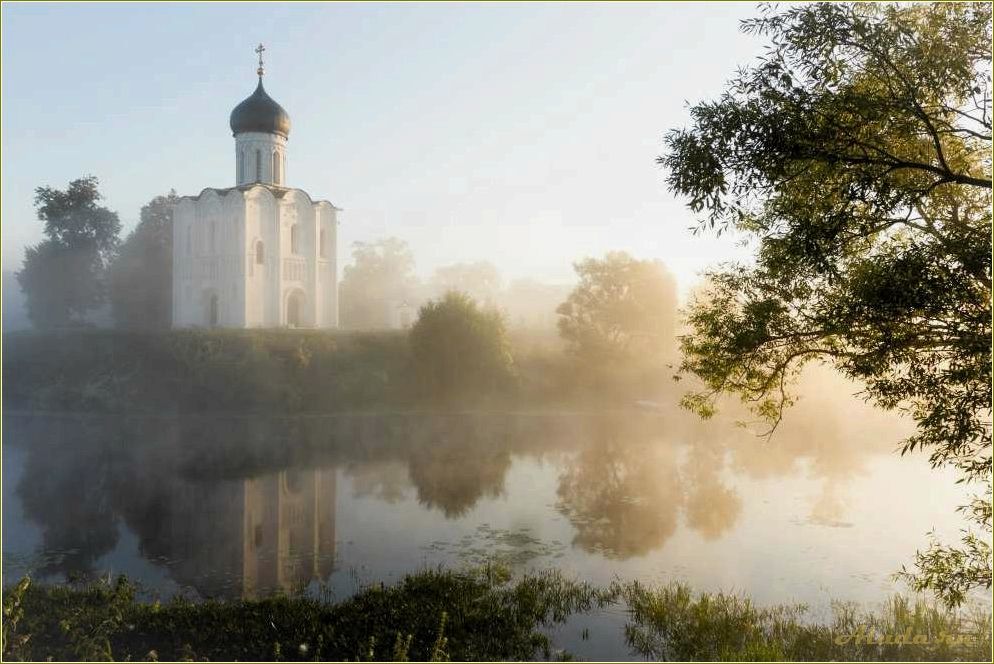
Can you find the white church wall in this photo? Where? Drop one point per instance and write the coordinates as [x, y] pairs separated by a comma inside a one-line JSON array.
[[218, 279], [326, 282], [233, 257], [298, 255], [261, 215]]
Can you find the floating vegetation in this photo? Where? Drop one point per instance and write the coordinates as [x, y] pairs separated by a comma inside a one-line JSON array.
[[513, 548]]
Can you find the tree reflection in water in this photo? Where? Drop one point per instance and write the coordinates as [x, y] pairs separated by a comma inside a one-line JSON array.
[[625, 490], [242, 506], [453, 478], [623, 499]]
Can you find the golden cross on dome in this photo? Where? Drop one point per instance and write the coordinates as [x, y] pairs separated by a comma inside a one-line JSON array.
[[259, 49]]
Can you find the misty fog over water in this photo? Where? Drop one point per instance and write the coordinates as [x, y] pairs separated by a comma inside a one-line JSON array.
[[328, 504]]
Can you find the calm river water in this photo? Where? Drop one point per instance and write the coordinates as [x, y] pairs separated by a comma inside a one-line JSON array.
[[215, 506]]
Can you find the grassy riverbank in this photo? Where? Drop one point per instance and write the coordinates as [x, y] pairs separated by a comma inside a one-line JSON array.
[[479, 615], [281, 371], [257, 371]]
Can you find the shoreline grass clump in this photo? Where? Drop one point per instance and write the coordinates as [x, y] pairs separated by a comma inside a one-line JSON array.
[[428, 616], [672, 623], [475, 615]]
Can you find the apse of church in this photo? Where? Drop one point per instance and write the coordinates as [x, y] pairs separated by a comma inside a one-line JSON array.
[[260, 253]]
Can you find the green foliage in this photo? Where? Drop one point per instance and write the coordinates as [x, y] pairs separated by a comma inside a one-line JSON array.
[[429, 616], [857, 154], [264, 371], [439, 652], [13, 611], [140, 277], [380, 278], [207, 371], [672, 623], [61, 284], [475, 615], [63, 276], [458, 348], [622, 310], [73, 218]]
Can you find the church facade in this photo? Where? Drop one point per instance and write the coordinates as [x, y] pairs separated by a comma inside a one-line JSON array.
[[260, 253]]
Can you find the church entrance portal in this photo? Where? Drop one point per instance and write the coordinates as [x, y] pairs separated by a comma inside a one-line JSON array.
[[294, 309]]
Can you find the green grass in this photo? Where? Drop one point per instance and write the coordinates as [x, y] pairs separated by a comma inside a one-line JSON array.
[[469, 615], [277, 372], [183, 371], [429, 616], [671, 623]]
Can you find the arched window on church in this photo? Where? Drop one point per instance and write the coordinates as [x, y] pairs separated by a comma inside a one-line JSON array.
[[322, 245], [260, 253], [294, 240], [213, 237], [276, 168], [258, 165], [241, 166]]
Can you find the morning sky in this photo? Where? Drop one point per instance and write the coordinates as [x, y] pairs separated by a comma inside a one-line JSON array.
[[520, 134]]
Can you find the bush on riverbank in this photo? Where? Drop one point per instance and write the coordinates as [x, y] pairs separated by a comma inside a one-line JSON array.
[[479, 615], [459, 347]]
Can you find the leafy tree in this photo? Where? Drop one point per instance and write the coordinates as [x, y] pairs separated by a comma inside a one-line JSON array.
[[63, 276], [622, 309], [857, 153], [380, 278], [140, 278], [481, 280], [459, 348], [60, 284]]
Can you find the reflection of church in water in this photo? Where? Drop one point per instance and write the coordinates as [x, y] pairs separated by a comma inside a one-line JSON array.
[[249, 537]]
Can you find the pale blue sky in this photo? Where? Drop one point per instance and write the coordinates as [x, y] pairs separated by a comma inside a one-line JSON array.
[[520, 134]]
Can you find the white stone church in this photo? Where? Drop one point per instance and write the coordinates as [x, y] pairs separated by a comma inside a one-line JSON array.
[[260, 253]]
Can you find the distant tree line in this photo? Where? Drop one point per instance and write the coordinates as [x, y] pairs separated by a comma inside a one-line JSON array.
[[82, 265], [620, 316]]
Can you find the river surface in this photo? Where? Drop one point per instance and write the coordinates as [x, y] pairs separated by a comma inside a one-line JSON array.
[[225, 506]]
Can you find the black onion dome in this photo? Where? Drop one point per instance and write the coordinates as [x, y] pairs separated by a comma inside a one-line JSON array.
[[260, 113]]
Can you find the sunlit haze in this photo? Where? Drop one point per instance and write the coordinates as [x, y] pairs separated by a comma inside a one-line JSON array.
[[525, 135]]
